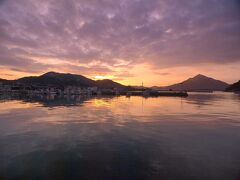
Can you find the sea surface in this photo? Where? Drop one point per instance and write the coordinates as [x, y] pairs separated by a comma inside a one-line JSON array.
[[164, 138]]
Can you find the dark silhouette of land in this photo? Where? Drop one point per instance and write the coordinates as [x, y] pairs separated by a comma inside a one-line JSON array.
[[65, 79], [197, 83], [234, 87]]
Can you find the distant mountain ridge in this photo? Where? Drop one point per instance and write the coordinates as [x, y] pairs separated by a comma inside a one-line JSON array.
[[58, 79], [3, 80], [107, 83], [234, 87], [66, 79], [198, 82]]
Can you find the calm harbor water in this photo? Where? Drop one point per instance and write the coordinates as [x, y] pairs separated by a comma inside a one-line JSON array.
[[197, 137]]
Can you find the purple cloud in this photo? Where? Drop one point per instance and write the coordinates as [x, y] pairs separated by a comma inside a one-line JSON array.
[[164, 33]]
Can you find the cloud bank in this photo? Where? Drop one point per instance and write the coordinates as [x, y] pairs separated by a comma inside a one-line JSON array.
[[94, 37]]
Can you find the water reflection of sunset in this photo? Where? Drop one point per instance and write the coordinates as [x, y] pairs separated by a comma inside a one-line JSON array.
[[13, 105], [120, 110], [98, 102], [76, 130]]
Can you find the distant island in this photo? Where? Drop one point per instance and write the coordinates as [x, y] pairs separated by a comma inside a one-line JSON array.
[[197, 83], [73, 82], [235, 87], [66, 79]]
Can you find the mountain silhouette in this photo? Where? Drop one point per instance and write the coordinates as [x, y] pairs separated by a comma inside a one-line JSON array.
[[107, 83], [67, 79], [4, 81], [58, 79], [199, 82], [234, 87]]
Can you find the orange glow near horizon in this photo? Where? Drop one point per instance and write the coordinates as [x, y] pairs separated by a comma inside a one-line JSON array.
[[100, 77], [143, 43], [142, 73]]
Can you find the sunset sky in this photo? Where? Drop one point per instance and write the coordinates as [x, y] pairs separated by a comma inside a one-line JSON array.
[[159, 42]]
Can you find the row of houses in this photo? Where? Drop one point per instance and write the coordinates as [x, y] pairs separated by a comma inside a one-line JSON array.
[[54, 90]]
